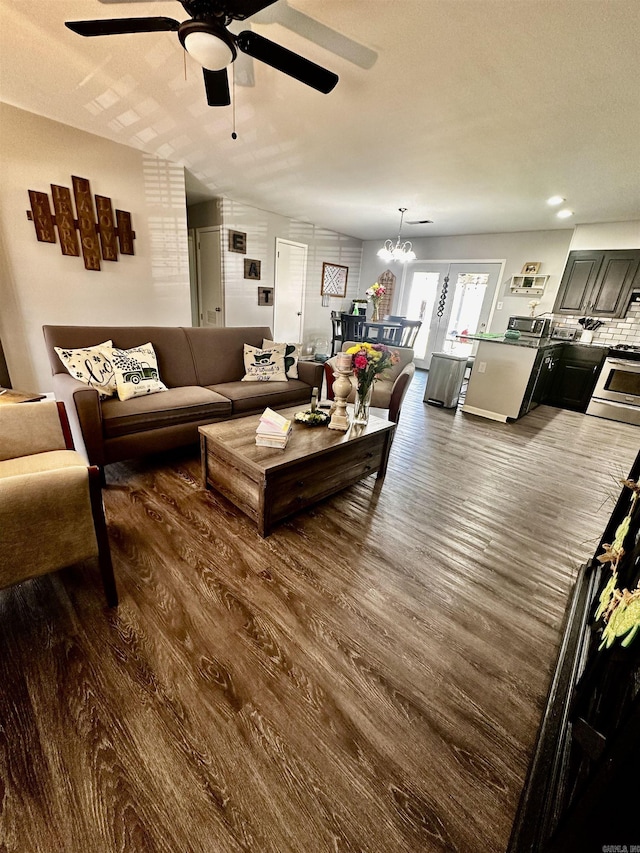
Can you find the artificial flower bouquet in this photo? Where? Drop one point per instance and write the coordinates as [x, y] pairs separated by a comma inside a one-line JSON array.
[[369, 361], [376, 294]]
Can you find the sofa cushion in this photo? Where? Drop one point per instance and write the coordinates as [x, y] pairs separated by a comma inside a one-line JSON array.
[[256, 396], [91, 365], [218, 353], [175, 359], [174, 406], [264, 365], [50, 460]]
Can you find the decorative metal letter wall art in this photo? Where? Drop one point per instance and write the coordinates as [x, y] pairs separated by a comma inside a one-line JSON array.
[[334, 280], [252, 269], [99, 238], [238, 242]]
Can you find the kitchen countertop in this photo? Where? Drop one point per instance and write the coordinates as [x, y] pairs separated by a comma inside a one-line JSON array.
[[528, 343]]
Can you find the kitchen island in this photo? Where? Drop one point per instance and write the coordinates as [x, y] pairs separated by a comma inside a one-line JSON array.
[[511, 377]]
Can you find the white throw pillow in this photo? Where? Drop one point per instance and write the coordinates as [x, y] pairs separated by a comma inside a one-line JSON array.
[[91, 365], [291, 356], [136, 371], [264, 365]]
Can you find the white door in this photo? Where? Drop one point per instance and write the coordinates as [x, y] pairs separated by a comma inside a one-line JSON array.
[[210, 291], [450, 299], [290, 281]]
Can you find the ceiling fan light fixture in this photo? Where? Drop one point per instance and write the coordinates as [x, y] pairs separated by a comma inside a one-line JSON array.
[[401, 252], [211, 46]]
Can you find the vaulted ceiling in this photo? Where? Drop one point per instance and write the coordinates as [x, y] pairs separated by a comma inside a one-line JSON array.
[[467, 112]]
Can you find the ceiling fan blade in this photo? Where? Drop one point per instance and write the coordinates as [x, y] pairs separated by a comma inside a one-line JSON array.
[[216, 84], [339, 44], [241, 9], [286, 61], [120, 26]]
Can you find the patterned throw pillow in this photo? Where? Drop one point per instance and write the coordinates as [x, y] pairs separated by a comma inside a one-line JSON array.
[[291, 356], [91, 365], [136, 371], [264, 365]]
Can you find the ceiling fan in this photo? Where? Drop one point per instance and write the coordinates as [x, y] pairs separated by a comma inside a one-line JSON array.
[[206, 38]]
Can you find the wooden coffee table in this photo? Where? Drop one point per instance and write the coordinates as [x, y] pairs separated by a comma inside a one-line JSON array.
[[269, 484]]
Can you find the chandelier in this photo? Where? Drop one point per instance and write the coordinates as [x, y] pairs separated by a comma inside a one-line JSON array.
[[402, 252]]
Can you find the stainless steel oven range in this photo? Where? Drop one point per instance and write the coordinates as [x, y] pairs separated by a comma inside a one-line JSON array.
[[617, 392]]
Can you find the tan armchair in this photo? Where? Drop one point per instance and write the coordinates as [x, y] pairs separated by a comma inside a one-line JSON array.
[[388, 391], [51, 512]]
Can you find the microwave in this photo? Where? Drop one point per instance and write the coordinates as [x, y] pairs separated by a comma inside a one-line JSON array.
[[531, 327]]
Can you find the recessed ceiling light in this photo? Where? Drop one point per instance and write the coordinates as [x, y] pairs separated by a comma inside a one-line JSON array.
[[555, 199], [564, 213]]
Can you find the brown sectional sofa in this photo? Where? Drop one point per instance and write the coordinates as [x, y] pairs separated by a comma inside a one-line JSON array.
[[202, 369]]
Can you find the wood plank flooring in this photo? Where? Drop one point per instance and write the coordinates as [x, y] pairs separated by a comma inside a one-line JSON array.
[[369, 679]]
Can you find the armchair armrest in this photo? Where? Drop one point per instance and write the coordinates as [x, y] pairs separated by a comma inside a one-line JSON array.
[[399, 390], [82, 404], [311, 373]]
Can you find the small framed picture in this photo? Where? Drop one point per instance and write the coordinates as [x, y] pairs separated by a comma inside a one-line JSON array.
[[334, 280], [252, 269], [238, 242], [531, 268]]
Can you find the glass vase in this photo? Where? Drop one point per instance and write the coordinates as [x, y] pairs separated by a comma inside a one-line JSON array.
[[362, 405], [375, 314]]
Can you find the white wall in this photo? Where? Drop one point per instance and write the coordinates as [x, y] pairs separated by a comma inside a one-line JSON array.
[[549, 247], [607, 235], [262, 228], [39, 285]]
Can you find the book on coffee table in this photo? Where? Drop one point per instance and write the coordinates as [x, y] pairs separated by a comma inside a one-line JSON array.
[[273, 430]]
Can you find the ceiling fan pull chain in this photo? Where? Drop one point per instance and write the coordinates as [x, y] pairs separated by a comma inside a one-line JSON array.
[[234, 135]]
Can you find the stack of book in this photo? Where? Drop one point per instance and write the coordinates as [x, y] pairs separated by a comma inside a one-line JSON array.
[[273, 430]]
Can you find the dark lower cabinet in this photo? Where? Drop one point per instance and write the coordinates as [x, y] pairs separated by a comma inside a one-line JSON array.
[[575, 376], [581, 792], [540, 382]]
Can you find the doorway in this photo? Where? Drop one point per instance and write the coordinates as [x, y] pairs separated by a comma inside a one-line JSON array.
[[290, 281], [451, 299], [209, 265]]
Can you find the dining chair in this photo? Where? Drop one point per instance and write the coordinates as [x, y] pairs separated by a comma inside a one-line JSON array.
[[336, 331], [380, 333], [408, 332], [352, 327]]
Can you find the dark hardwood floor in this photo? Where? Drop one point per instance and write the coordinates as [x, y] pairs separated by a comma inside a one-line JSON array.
[[368, 679]]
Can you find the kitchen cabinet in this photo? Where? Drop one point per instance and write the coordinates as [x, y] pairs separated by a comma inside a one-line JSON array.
[[575, 376], [597, 283]]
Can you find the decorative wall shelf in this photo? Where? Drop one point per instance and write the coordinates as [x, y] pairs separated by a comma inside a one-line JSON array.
[[529, 283]]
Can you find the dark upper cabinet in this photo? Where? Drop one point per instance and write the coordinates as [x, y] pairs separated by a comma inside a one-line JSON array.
[[597, 283]]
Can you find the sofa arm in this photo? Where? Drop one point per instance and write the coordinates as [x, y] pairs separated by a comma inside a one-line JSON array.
[[82, 404], [329, 367], [311, 373], [398, 391]]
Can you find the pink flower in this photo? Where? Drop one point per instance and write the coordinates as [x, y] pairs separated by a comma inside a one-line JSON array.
[[360, 361]]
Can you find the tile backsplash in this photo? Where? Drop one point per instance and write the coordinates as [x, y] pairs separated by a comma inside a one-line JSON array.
[[626, 330]]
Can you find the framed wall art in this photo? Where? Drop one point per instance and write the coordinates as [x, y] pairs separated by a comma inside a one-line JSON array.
[[531, 268], [334, 280], [252, 269], [238, 242]]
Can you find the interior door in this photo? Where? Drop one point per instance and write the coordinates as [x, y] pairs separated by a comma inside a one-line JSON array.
[[210, 290], [290, 281], [450, 299]]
